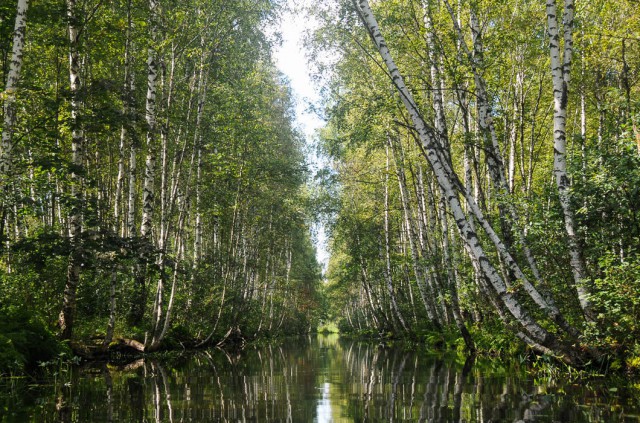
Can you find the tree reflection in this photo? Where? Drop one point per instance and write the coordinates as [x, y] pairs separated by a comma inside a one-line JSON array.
[[320, 379]]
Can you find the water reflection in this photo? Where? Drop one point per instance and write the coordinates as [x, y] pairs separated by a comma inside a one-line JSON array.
[[318, 379], [323, 410]]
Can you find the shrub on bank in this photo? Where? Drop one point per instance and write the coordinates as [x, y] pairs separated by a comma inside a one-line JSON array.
[[25, 341]]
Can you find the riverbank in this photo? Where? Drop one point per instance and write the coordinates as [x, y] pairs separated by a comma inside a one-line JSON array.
[[505, 347], [28, 345]]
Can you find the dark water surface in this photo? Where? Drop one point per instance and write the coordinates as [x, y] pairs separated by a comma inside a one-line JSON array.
[[322, 378]]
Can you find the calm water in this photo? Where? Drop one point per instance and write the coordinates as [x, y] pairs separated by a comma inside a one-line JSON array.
[[318, 379]]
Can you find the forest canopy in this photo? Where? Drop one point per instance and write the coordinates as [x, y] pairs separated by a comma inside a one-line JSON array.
[[486, 158], [482, 188], [153, 181]]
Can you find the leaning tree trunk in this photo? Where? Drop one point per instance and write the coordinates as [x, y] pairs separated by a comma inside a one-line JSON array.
[[495, 163], [491, 147], [75, 215], [561, 75], [451, 278], [539, 337]]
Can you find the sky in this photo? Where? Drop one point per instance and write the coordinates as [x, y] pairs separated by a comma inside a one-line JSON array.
[[290, 59]]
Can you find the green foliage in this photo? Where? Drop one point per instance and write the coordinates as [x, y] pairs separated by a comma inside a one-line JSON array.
[[179, 337], [36, 274], [608, 199], [617, 300], [233, 161], [492, 339], [25, 341], [372, 253], [228, 154], [330, 327], [11, 361]]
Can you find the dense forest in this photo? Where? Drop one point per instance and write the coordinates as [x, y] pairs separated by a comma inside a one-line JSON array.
[[485, 172], [482, 188], [153, 181]]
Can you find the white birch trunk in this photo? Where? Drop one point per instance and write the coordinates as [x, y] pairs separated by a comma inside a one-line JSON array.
[[164, 170], [197, 141], [131, 203], [148, 196], [452, 286], [448, 182], [413, 238], [561, 75], [370, 300], [161, 317], [148, 193], [513, 136], [11, 87], [118, 226], [495, 164], [66, 319], [419, 190], [387, 250], [436, 83], [118, 212]]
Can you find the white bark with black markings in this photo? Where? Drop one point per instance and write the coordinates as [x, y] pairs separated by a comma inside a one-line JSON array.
[[66, 318], [148, 195], [418, 269], [9, 94], [561, 58], [450, 186]]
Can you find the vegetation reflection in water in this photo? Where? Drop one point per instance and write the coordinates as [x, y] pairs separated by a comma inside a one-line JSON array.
[[317, 379]]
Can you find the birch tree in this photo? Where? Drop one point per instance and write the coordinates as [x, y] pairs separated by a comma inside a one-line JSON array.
[[148, 184], [148, 197], [126, 138], [561, 53], [533, 333], [67, 314], [10, 113], [220, 156], [9, 94]]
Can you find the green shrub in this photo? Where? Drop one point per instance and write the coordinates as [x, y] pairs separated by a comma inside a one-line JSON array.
[[24, 341], [617, 300], [11, 361]]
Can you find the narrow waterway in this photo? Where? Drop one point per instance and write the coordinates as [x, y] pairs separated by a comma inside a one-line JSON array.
[[321, 378]]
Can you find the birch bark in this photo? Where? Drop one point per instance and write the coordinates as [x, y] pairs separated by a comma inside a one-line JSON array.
[[388, 272], [66, 318], [418, 269], [9, 108], [127, 108], [131, 202], [197, 141], [148, 196], [13, 78], [450, 185], [495, 164], [561, 75], [148, 193]]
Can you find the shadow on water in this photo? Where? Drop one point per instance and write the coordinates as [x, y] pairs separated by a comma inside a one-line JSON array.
[[322, 378]]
